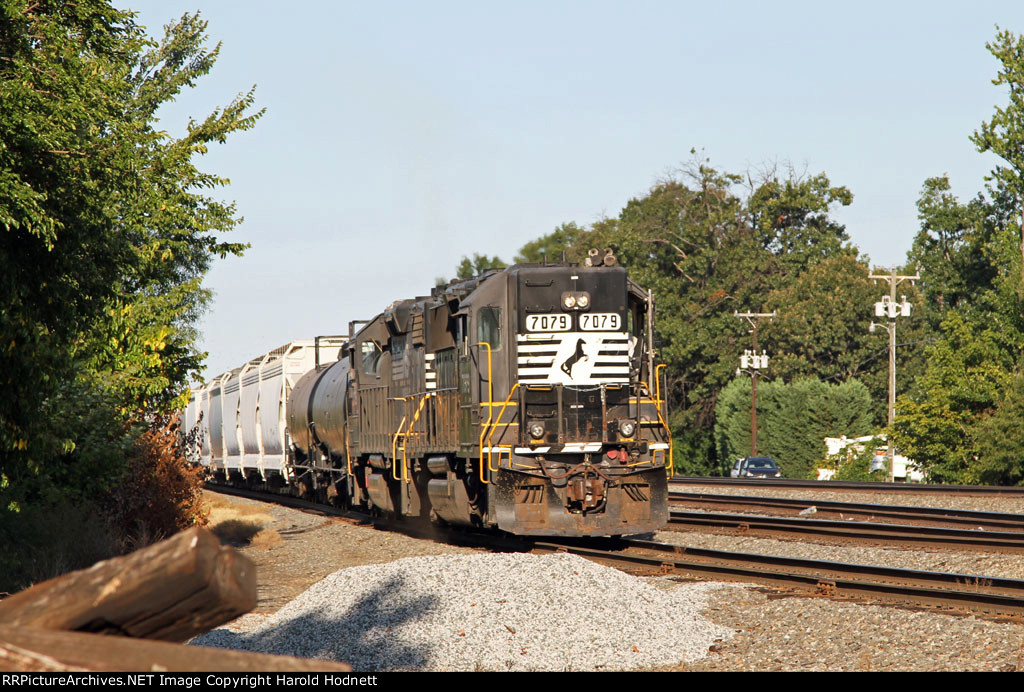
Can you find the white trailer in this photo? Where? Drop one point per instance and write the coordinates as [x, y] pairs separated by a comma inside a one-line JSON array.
[[843, 448]]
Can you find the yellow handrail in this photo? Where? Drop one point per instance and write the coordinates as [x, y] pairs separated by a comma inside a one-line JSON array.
[[405, 457], [495, 429], [490, 410], [394, 438], [671, 456]]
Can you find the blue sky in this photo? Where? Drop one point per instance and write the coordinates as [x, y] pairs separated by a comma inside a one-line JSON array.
[[400, 136]]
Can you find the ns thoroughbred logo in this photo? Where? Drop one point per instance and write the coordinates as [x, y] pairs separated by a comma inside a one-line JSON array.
[[574, 358]]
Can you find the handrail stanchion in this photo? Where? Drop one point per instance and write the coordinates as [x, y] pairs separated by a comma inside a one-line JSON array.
[[670, 468], [490, 410]]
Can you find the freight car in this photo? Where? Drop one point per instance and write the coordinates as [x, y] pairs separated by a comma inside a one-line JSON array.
[[525, 399]]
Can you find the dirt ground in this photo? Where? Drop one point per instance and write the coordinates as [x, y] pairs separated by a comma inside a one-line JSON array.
[[293, 550]]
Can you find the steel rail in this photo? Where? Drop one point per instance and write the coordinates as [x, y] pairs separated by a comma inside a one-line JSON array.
[[292, 501], [853, 531], [992, 597], [410, 527], [748, 525], [828, 509], [859, 486]]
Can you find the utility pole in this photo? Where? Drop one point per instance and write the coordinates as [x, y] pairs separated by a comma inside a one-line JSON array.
[[755, 362], [888, 307]]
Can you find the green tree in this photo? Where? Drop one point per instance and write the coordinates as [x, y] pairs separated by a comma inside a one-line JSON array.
[[951, 250], [857, 467], [468, 268], [1003, 135], [954, 420], [567, 237], [793, 420], [822, 329], [967, 371], [792, 218], [706, 251], [1001, 437], [107, 230]]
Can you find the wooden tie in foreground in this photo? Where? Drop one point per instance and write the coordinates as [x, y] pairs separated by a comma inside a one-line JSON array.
[[103, 618]]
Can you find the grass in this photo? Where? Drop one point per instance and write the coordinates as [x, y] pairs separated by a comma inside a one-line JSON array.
[[239, 523]]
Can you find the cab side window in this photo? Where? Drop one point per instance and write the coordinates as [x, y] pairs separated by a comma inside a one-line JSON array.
[[488, 327], [398, 347], [370, 357]]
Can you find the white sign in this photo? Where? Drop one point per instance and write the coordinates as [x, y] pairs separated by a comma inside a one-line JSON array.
[[548, 323], [599, 321]]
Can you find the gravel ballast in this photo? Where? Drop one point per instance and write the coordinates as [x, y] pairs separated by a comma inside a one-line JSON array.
[[488, 612], [769, 633]]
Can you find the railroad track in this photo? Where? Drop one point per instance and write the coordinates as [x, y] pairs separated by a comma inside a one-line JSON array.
[[851, 486], [291, 501], [855, 532], [843, 511], [991, 597]]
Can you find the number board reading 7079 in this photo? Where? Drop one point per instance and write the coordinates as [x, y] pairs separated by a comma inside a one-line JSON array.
[[589, 322], [599, 321], [548, 323]]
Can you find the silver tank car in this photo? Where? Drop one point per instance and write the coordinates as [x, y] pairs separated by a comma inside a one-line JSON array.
[[316, 410]]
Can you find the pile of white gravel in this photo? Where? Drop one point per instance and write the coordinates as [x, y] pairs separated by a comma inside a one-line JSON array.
[[487, 612]]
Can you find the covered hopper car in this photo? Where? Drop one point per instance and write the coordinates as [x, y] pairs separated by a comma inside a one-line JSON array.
[[524, 399]]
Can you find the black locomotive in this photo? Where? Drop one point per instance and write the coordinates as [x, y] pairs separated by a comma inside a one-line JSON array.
[[524, 399]]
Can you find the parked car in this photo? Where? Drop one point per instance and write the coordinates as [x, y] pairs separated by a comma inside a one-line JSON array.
[[755, 467]]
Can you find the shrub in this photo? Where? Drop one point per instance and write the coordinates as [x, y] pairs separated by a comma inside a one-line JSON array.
[[858, 468], [40, 542], [160, 491]]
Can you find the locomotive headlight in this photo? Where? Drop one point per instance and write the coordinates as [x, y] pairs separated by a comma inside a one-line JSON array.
[[536, 430], [576, 300], [627, 428]]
